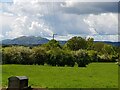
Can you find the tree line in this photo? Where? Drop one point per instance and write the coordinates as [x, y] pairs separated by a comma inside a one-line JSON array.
[[77, 50]]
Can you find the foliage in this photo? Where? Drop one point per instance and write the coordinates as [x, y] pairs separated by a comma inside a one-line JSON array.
[[39, 55], [76, 43], [90, 42], [108, 49], [81, 58], [98, 46], [60, 58], [76, 50], [16, 55], [93, 55], [51, 44]]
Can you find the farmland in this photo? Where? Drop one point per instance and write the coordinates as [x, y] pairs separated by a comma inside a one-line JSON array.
[[95, 75]]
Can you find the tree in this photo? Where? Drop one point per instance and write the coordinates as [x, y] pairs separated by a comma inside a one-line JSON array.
[[39, 55], [90, 42], [11, 55], [93, 55], [76, 43], [53, 56], [60, 57], [17, 55], [51, 44], [25, 53], [82, 58], [69, 58], [98, 46], [108, 49]]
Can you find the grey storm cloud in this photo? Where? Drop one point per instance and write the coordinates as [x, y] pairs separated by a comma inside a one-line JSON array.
[[90, 7]]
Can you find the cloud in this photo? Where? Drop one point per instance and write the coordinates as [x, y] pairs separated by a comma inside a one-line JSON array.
[[72, 7], [6, 20], [105, 23], [64, 24], [67, 19], [27, 20], [24, 26], [112, 38]]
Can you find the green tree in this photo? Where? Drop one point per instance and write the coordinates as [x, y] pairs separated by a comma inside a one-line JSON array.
[[54, 56], [76, 43], [39, 55], [60, 57], [108, 49], [69, 58], [93, 55], [16, 55], [90, 42], [52, 44], [82, 58], [98, 46]]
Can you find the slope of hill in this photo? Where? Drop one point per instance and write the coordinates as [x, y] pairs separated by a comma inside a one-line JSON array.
[[24, 40]]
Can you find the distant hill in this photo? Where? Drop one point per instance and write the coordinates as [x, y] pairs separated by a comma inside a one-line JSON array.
[[25, 40], [32, 40], [111, 43]]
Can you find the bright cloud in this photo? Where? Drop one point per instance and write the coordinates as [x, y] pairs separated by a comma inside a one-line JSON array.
[[67, 19], [105, 23]]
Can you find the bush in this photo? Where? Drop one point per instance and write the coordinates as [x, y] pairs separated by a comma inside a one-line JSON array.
[[16, 55], [52, 44], [82, 58], [107, 58], [93, 55], [39, 55], [55, 57], [69, 59], [60, 57]]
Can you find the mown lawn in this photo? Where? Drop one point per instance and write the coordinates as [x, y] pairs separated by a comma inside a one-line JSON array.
[[95, 75]]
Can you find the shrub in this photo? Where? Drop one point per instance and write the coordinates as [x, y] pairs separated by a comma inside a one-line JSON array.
[[69, 59], [93, 55], [16, 55], [82, 58], [39, 55], [55, 57], [60, 57], [107, 58], [52, 44]]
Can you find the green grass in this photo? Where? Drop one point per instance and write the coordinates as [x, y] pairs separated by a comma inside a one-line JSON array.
[[95, 75]]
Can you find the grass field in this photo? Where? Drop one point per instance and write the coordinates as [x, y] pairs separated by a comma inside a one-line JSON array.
[[95, 75]]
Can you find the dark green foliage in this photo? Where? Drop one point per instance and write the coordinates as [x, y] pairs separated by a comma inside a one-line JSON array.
[[52, 57], [82, 58], [98, 46], [76, 43], [39, 55], [60, 57], [51, 44], [90, 42], [69, 58]]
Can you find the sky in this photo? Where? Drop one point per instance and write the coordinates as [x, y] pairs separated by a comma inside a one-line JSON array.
[[66, 18]]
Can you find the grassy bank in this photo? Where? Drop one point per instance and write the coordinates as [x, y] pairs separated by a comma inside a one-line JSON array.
[[95, 75]]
